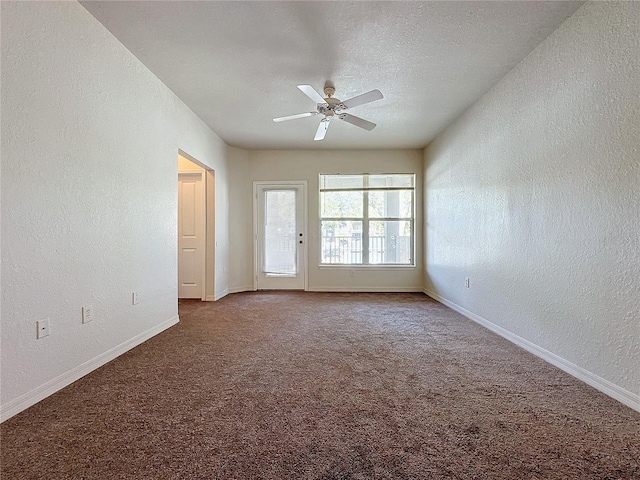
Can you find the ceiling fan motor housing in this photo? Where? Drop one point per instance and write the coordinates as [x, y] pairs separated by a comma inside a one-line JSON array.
[[329, 107], [332, 105]]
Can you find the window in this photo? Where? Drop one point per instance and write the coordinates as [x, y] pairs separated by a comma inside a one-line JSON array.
[[367, 219]]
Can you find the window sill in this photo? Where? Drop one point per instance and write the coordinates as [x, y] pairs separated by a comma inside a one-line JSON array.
[[356, 266]]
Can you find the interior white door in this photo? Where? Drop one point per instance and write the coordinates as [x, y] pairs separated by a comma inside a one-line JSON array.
[[191, 235], [281, 244]]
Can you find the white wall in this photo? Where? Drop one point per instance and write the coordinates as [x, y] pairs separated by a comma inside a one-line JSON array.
[[89, 197], [534, 194], [307, 165], [240, 224]]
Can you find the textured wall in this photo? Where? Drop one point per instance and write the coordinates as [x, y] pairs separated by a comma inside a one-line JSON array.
[[240, 223], [534, 194], [307, 165], [89, 196]]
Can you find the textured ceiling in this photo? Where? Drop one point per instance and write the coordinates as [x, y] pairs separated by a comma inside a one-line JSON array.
[[237, 64]]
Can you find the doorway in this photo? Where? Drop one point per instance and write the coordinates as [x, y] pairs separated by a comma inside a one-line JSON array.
[[196, 233], [280, 225]]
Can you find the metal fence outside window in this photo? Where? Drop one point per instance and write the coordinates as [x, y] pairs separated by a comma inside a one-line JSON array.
[[348, 250]]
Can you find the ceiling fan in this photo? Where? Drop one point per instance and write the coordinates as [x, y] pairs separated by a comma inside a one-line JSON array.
[[332, 107]]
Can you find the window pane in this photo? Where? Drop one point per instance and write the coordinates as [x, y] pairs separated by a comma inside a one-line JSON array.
[[280, 232], [390, 242], [345, 210], [391, 204], [341, 181], [394, 180], [341, 204], [341, 242]]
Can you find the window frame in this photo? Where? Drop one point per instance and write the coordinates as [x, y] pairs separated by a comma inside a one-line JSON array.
[[366, 219]]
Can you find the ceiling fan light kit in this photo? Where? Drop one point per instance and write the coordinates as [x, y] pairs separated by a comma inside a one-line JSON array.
[[333, 108]]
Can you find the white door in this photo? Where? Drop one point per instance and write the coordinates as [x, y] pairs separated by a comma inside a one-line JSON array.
[[191, 235], [281, 243]]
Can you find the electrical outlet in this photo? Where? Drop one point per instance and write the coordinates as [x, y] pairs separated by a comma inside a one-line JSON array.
[[466, 282], [352, 273], [42, 327], [135, 298], [87, 314]]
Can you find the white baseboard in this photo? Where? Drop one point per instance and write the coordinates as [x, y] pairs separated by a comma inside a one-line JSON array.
[[334, 288], [25, 401], [241, 289], [605, 386], [221, 294], [228, 291]]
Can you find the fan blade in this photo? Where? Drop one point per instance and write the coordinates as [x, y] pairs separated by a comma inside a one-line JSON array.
[[293, 117], [311, 92], [368, 97], [357, 121], [322, 129]]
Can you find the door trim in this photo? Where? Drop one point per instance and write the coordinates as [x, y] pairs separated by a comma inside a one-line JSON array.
[[305, 250]]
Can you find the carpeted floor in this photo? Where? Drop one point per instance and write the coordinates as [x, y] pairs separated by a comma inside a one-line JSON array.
[[324, 386]]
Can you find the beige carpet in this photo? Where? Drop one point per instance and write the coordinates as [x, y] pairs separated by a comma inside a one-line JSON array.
[[324, 386]]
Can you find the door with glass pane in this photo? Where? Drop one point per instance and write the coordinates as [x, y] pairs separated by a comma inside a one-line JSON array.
[[281, 244]]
